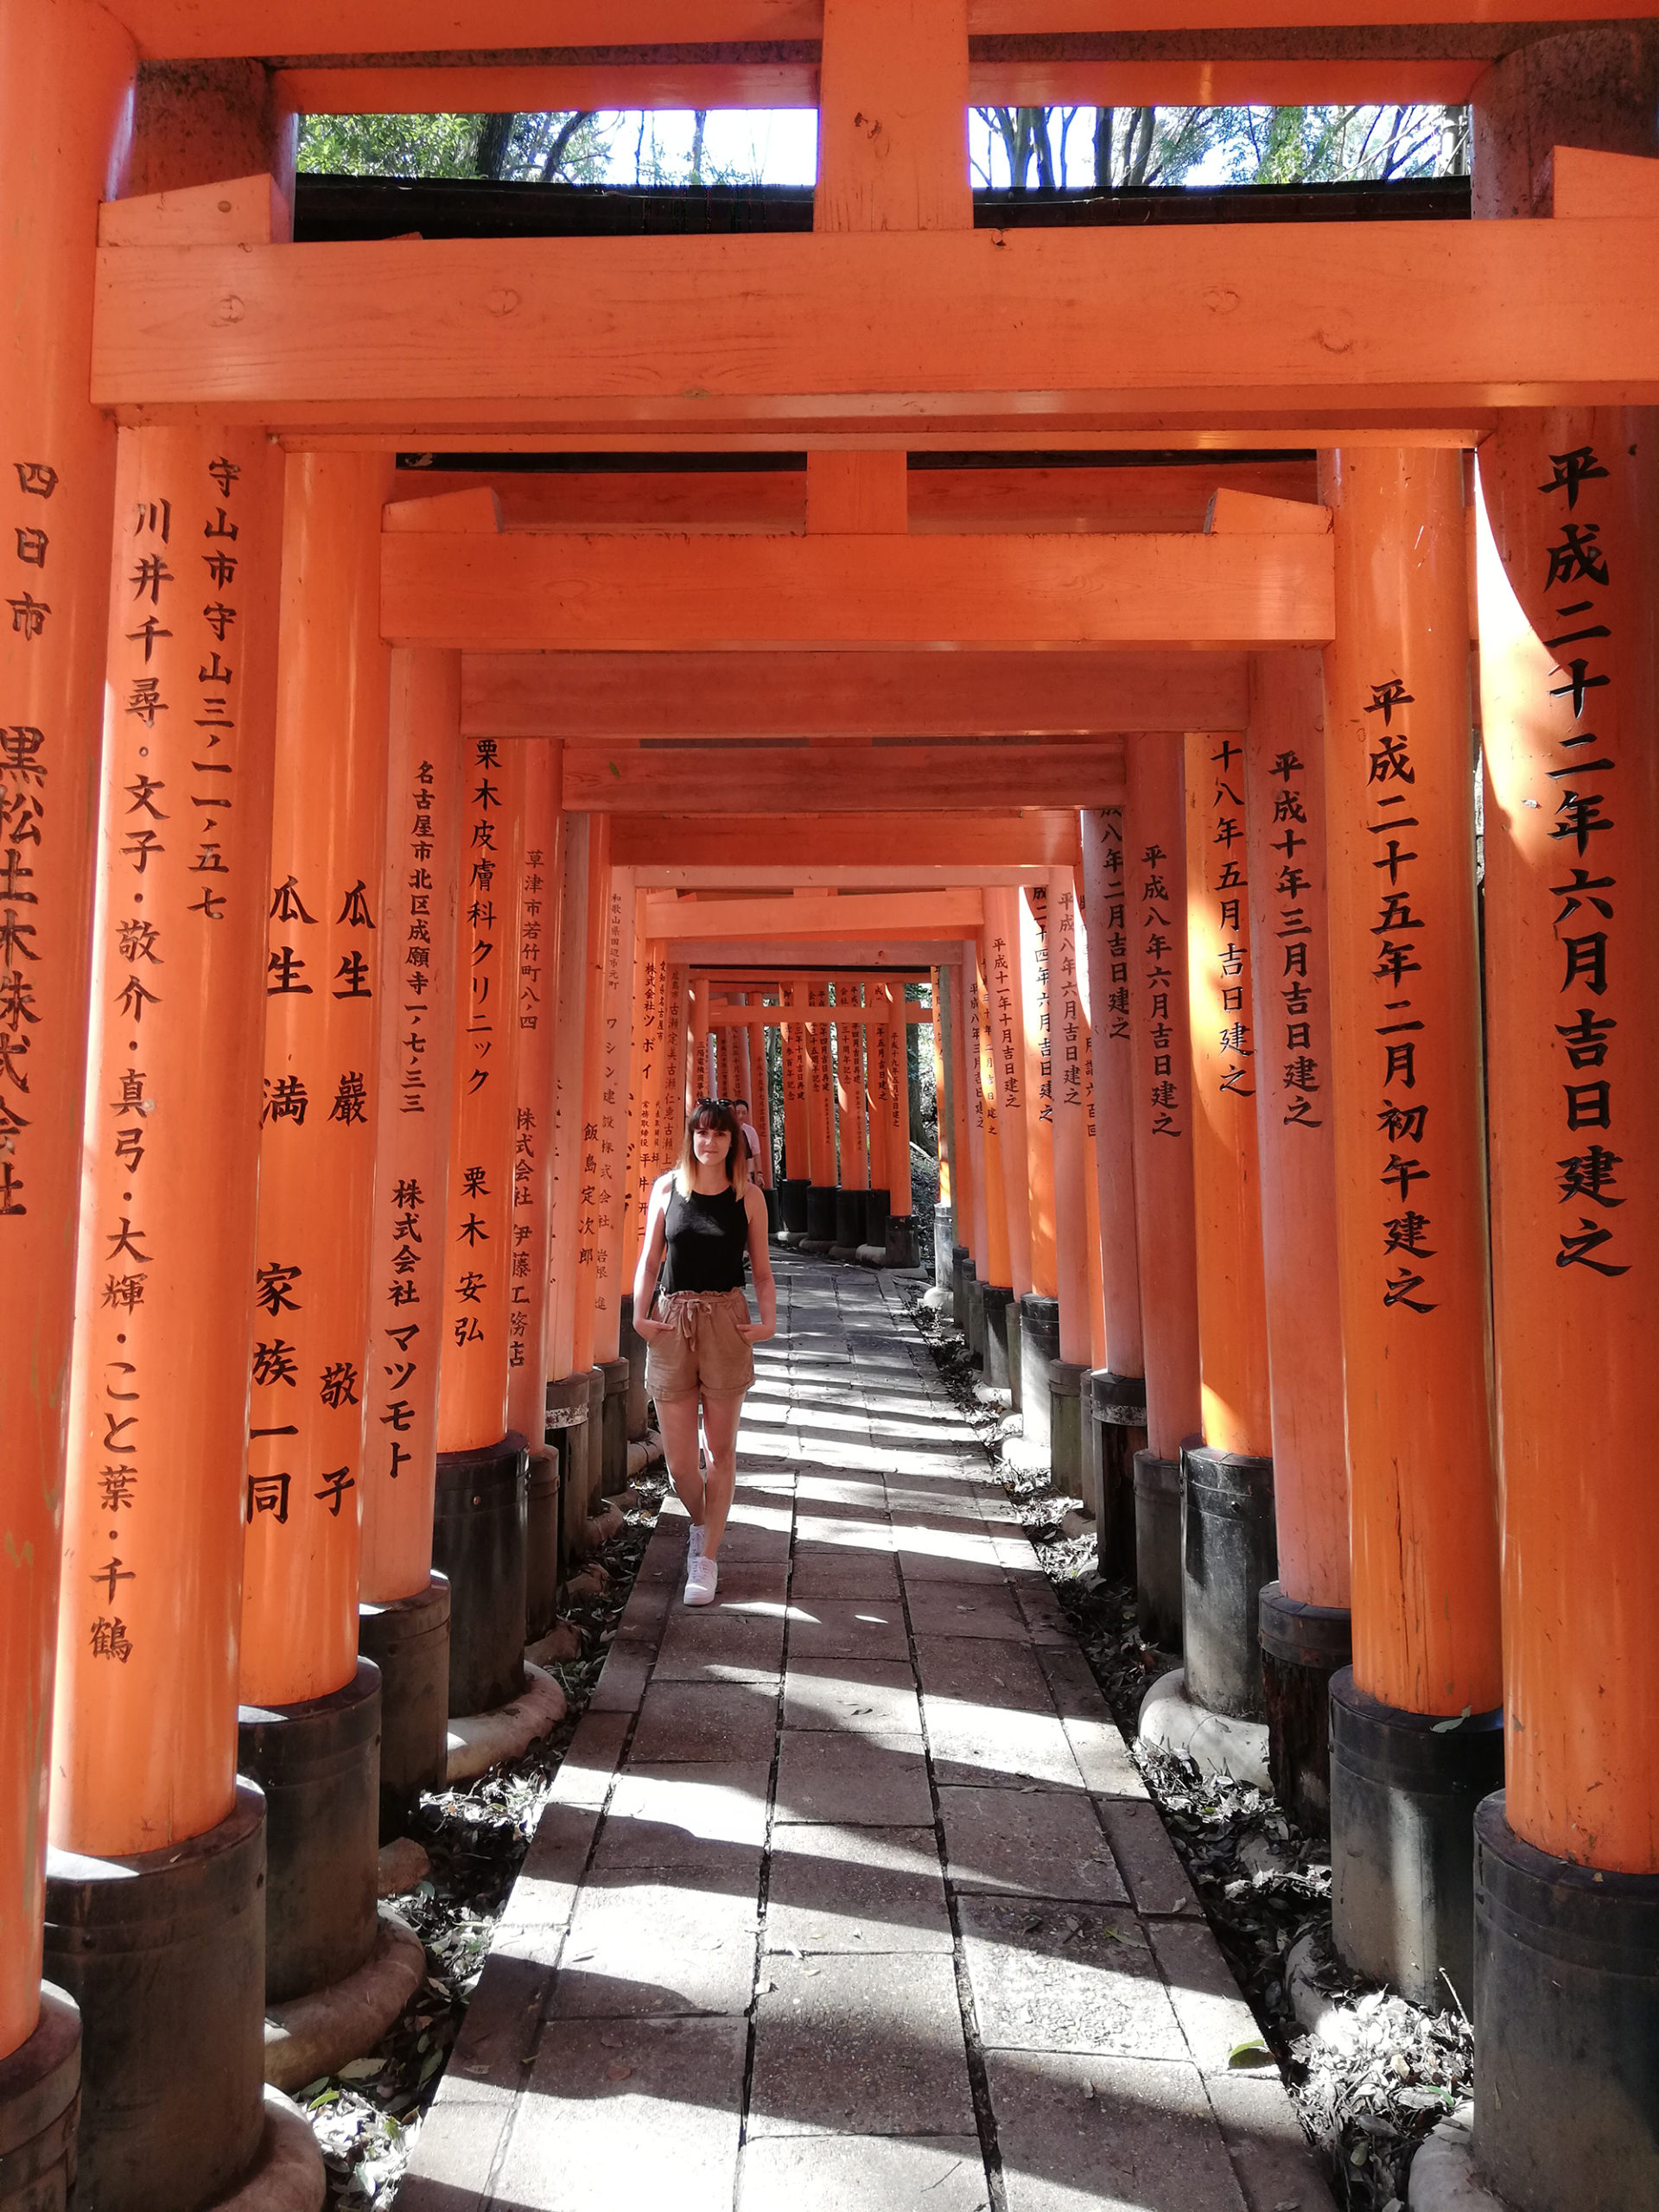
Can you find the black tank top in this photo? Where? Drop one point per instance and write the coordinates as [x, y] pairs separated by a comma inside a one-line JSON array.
[[707, 1240]]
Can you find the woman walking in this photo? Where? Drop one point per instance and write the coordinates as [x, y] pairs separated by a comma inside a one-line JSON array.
[[705, 1215]]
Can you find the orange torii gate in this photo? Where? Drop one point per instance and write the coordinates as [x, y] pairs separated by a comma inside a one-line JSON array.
[[200, 315]]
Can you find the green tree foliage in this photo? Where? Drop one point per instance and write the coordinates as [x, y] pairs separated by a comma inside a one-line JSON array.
[[1145, 146], [518, 148]]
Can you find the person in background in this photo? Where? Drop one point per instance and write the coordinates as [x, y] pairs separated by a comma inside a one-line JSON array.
[[751, 1136], [705, 1217]]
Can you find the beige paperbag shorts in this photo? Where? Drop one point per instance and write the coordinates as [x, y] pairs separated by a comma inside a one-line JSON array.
[[701, 1351]]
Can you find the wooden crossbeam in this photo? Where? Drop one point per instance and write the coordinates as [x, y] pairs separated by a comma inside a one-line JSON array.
[[905, 913], [849, 694], [1065, 333], [1040, 838], [863, 1017], [185, 30], [818, 956], [806, 876], [955, 778], [533, 592]]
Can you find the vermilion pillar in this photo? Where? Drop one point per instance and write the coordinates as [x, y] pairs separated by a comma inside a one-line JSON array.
[[1567, 1857], [992, 1207], [1114, 1411], [66, 89], [479, 1535], [852, 1180], [1070, 1086], [531, 1262], [645, 1069], [1153, 833], [1411, 1221], [797, 1177], [1305, 1622], [967, 1205], [1006, 1033], [568, 1391], [760, 1089], [589, 1186], [404, 1622], [1228, 1480], [144, 1754], [1039, 1309], [820, 1126], [615, 1057], [900, 1194], [309, 1707], [877, 1076]]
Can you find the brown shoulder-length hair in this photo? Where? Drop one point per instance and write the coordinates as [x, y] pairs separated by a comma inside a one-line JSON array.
[[713, 1114]]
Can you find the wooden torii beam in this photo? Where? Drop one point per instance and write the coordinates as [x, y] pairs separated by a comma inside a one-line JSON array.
[[530, 591], [690, 781], [1174, 332], [849, 694], [905, 913], [1037, 837], [814, 956], [184, 29]]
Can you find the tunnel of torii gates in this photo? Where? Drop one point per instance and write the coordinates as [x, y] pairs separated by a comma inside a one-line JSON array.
[[1293, 1168]]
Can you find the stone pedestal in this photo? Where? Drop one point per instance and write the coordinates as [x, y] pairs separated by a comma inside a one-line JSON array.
[[1115, 1430], [820, 1219], [1158, 1550], [478, 1540], [850, 1224], [40, 2102], [962, 1267], [633, 1350], [542, 1507], [997, 1300], [1302, 1647], [792, 1206], [408, 1640], [1567, 2027], [876, 1207], [1066, 1457], [1039, 1343], [945, 1230], [613, 1428], [901, 1240], [975, 1332], [318, 1762], [1228, 1551], [1016, 1381], [164, 1954], [1403, 1795], [567, 1424]]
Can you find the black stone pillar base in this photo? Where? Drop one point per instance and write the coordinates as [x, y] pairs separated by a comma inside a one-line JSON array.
[[1403, 1796], [543, 1508], [318, 1762], [614, 1428], [820, 1219], [774, 1218], [1115, 1430], [164, 1954], [1302, 1646], [975, 1332], [1039, 1343], [877, 1204], [850, 1224], [567, 1427], [1158, 1550], [997, 1300], [901, 1240], [478, 1540], [1228, 1550], [1016, 1381], [961, 1266], [593, 1439], [408, 1639], [791, 1204], [633, 1350], [1567, 2027], [944, 1242], [40, 2102], [1065, 1382], [38, 2111]]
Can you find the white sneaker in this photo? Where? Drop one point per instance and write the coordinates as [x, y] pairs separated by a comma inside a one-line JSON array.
[[701, 1578], [693, 1545]]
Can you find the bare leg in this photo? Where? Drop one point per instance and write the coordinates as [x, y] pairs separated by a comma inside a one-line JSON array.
[[720, 1418], [677, 1423]]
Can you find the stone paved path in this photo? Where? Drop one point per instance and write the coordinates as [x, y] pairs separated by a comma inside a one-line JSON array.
[[849, 1899]]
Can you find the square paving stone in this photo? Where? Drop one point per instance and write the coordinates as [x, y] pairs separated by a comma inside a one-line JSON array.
[[1048, 1977], [703, 1643], [1028, 1842], [628, 2113], [1044, 1615], [705, 1720], [668, 1943], [1114, 2134], [854, 1781], [855, 1535], [621, 1681], [1271, 2156], [659, 1812], [543, 1899], [1072, 1683], [974, 1741], [971, 1564], [943, 1609], [862, 2173], [1156, 1878], [752, 1585], [587, 1769], [839, 1572], [1006, 1675], [848, 1628], [857, 1697], [860, 2046], [856, 1889], [1208, 2002], [1104, 1760]]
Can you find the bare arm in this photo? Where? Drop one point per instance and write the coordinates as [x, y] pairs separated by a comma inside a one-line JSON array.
[[651, 1260], [765, 1287]]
